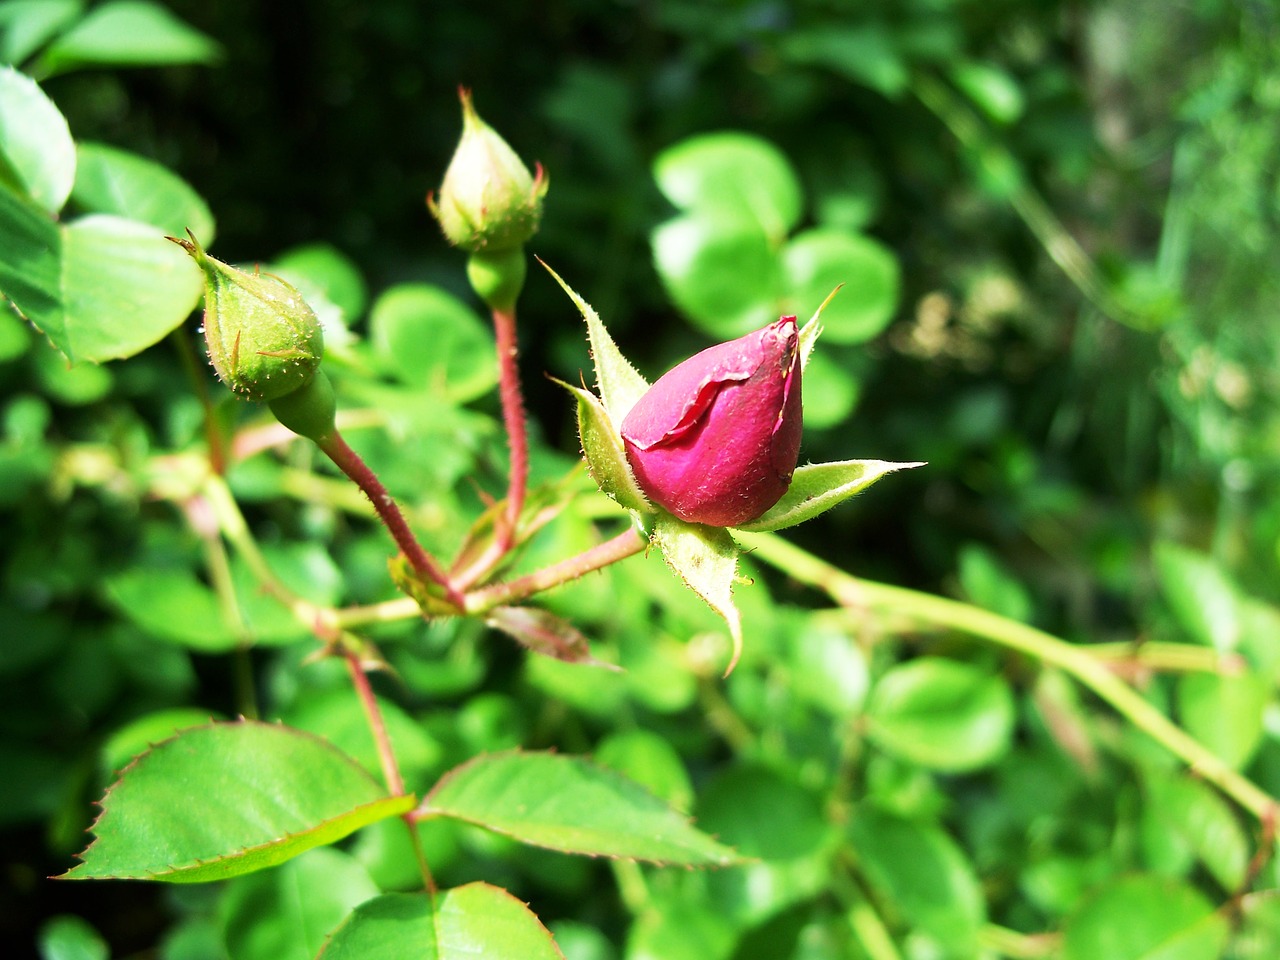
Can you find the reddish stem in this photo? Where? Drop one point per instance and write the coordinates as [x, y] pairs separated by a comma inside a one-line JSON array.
[[504, 325], [626, 544], [349, 462], [386, 755]]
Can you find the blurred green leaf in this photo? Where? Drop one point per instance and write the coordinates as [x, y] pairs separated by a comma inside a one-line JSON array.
[[429, 338], [1144, 917], [651, 761], [69, 937], [466, 923], [37, 155], [567, 804], [288, 913], [128, 33], [1190, 814], [990, 584], [1225, 712], [866, 54], [735, 177], [108, 180], [171, 605], [942, 714], [227, 799], [679, 931], [994, 91], [723, 273], [1202, 596], [819, 260], [922, 876], [331, 270], [101, 288], [27, 25]]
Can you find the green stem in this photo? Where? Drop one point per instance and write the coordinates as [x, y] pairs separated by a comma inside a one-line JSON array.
[[1092, 673], [213, 432], [626, 544]]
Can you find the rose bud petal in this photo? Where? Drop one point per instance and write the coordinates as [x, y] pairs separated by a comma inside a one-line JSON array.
[[716, 439]]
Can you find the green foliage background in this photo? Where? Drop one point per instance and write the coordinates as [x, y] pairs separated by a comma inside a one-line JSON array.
[[1082, 199]]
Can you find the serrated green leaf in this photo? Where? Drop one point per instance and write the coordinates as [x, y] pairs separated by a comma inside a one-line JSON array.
[[473, 922], [606, 457], [732, 174], [37, 154], [1145, 918], [128, 33], [817, 260], [30, 256], [942, 714], [725, 275], [227, 799], [706, 559], [116, 181], [817, 487], [619, 383], [567, 804]]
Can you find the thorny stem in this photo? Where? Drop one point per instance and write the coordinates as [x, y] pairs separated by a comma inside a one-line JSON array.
[[349, 462], [1088, 670], [504, 326], [626, 544], [386, 754]]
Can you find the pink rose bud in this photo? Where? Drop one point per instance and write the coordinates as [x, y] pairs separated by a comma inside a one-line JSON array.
[[716, 439]]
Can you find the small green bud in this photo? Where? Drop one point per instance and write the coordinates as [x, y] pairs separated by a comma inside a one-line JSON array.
[[489, 201], [263, 339]]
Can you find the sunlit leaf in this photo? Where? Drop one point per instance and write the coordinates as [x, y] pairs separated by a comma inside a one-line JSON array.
[[37, 155], [474, 922], [942, 714], [573, 806], [226, 799]]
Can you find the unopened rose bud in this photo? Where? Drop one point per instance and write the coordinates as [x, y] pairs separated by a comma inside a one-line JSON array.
[[715, 440], [489, 201], [264, 340]]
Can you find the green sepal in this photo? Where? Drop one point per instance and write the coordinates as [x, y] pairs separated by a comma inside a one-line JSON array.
[[605, 454], [812, 330], [706, 559], [619, 383], [817, 487], [427, 594]]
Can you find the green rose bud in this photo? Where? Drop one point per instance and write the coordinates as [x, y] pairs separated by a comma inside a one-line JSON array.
[[263, 339], [489, 201]]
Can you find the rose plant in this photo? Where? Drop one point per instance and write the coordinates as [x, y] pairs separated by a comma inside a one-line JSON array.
[[702, 467]]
